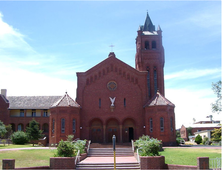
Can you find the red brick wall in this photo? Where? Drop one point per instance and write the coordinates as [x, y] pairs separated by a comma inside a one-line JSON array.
[[152, 162], [62, 163], [4, 112], [68, 113], [168, 136]]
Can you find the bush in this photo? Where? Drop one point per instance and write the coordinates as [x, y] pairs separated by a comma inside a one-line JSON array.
[[70, 138], [148, 146], [206, 141], [198, 139], [19, 137], [79, 145], [180, 140], [65, 149]]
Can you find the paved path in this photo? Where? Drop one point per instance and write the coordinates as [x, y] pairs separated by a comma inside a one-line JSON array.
[[128, 159]]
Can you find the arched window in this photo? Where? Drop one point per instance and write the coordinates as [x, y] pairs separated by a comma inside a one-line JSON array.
[[62, 125], [161, 124], [155, 79], [153, 44], [74, 126], [20, 127], [45, 127], [148, 80], [171, 124], [151, 125], [53, 126], [99, 102], [147, 45]]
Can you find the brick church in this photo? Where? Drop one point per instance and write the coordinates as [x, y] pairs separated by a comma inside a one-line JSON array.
[[113, 98]]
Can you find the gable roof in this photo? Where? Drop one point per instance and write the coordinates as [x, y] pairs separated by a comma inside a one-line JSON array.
[[159, 100], [4, 98], [111, 59], [32, 102], [65, 101]]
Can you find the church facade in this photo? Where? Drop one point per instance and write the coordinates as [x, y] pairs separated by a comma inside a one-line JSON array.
[[114, 98]]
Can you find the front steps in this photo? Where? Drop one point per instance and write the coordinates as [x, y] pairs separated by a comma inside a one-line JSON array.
[[102, 159], [108, 152], [104, 166]]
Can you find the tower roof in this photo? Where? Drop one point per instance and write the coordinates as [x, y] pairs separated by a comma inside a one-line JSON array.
[[148, 25], [66, 101], [159, 100]]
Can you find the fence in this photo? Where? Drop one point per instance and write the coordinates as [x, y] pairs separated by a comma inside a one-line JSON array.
[[215, 163]]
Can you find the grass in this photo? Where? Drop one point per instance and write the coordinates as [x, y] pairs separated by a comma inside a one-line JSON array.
[[15, 146], [28, 158], [40, 157], [188, 156]]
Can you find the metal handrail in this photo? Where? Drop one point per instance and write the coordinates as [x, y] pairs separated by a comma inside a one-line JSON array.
[[77, 157], [138, 158], [88, 146], [132, 145]]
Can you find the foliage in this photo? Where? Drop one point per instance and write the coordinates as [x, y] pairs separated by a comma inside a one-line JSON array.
[[19, 137], [9, 131], [3, 141], [33, 131], [189, 131], [65, 149], [178, 134], [79, 145], [216, 135], [70, 138], [2, 129], [206, 141], [216, 87], [179, 140], [148, 146], [198, 139]]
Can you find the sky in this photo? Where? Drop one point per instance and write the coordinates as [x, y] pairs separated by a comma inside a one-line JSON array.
[[44, 43]]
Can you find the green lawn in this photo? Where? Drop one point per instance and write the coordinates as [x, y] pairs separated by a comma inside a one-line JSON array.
[[40, 157], [188, 156], [28, 158], [14, 146]]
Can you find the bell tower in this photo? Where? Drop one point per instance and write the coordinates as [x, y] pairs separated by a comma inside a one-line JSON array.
[[150, 56]]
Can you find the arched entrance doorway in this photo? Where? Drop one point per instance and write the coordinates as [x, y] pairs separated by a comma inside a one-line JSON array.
[[112, 129], [96, 131], [128, 130]]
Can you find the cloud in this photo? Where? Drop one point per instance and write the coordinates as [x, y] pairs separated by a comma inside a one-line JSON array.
[[191, 104], [193, 74]]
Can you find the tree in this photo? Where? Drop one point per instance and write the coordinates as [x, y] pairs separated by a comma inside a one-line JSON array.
[[9, 131], [2, 129], [216, 87], [19, 138], [33, 131], [198, 139], [216, 135]]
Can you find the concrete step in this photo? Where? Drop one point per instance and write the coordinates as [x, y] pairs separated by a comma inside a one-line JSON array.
[[104, 152], [101, 166]]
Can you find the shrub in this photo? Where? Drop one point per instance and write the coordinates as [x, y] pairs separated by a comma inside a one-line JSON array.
[[79, 145], [19, 137], [180, 140], [198, 139], [206, 141], [148, 146], [70, 138], [65, 149]]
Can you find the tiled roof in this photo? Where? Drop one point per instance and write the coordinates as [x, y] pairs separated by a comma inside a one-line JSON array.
[[32, 102], [66, 101], [159, 100]]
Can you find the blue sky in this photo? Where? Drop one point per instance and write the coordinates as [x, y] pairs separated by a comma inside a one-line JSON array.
[[43, 45]]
